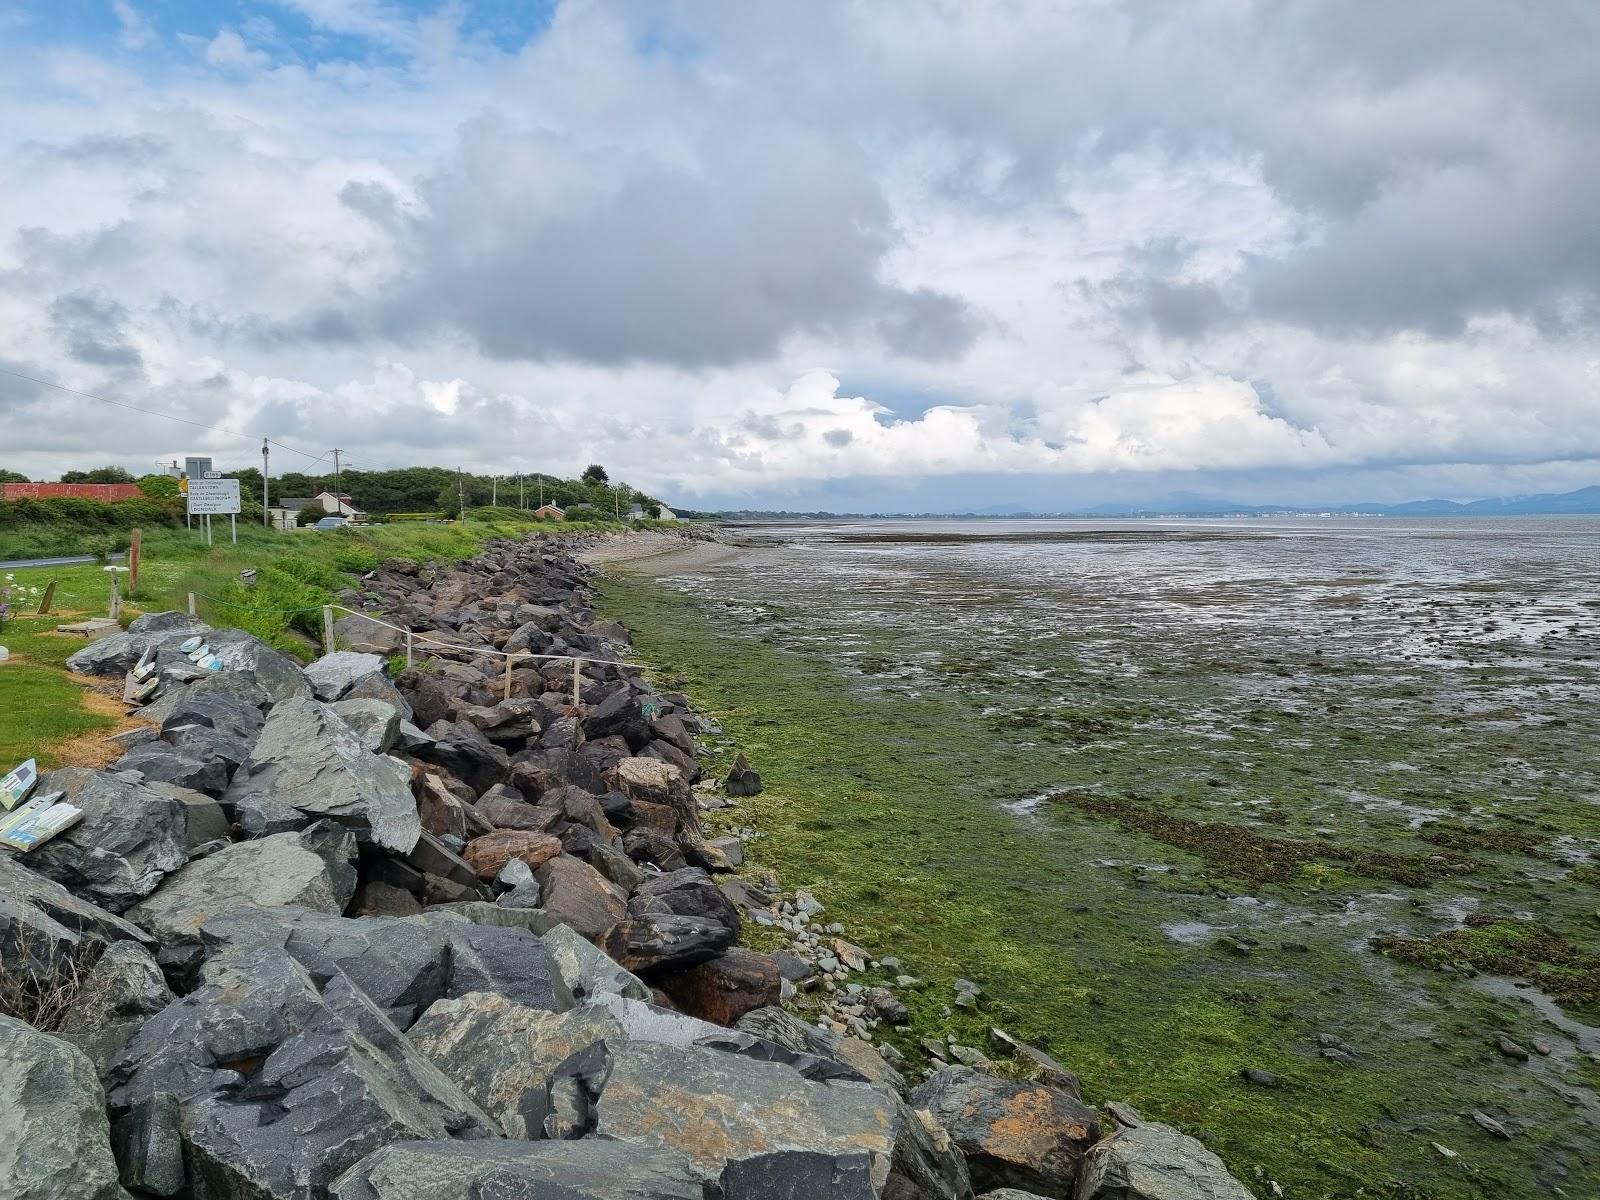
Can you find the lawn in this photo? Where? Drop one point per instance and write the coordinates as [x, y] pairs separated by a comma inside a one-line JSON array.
[[46, 714]]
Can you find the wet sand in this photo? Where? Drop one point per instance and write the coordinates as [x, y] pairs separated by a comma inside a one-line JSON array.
[[654, 554]]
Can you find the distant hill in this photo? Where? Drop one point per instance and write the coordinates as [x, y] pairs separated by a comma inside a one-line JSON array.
[[1583, 502]]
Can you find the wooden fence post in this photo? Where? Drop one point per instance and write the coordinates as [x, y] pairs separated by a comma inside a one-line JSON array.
[[327, 629], [191, 604], [577, 681], [134, 544], [409, 660], [510, 658]]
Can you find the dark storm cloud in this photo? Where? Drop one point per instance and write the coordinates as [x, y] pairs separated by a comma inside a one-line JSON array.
[[768, 236], [90, 327]]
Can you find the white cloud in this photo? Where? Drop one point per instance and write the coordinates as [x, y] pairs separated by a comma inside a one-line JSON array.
[[732, 248]]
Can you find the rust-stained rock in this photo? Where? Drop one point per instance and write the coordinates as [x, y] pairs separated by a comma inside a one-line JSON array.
[[724, 988], [715, 1107], [489, 853], [575, 894], [1014, 1134], [654, 781]]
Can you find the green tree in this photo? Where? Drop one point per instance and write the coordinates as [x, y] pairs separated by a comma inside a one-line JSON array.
[[98, 475], [595, 473], [159, 487], [12, 476]]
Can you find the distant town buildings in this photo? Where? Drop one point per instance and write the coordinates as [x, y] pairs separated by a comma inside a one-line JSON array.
[[285, 512], [549, 512]]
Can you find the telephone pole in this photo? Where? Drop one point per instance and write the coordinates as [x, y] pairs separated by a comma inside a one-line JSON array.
[[461, 497], [336, 492], [266, 517]]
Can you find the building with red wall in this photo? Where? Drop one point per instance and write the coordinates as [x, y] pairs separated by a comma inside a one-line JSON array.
[[106, 493]]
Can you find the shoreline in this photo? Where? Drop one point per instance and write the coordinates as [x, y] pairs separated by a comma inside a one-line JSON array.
[[654, 554]]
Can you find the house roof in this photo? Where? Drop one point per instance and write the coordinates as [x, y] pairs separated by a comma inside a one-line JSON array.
[[295, 503]]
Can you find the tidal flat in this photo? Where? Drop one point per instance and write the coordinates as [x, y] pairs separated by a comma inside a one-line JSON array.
[[1314, 799]]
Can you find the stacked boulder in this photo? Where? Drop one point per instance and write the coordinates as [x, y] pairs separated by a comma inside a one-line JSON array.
[[453, 931]]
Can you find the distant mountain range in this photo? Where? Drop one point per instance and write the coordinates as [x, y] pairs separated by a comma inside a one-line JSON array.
[[1583, 502]]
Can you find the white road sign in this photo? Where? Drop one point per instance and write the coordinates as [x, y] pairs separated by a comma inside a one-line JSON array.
[[213, 497]]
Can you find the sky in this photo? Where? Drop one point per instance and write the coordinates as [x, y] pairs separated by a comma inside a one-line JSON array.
[[870, 255]]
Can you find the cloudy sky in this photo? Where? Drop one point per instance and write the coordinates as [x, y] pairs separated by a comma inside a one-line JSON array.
[[891, 254]]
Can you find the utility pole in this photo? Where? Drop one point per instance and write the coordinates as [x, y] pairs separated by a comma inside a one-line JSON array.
[[266, 517], [336, 492], [494, 491], [461, 497], [520, 502]]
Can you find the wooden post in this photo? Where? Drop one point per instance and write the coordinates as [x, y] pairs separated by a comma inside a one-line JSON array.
[[49, 597], [114, 605], [327, 629], [133, 561], [510, 658], [577, 681], [191, 604], [409, 659]]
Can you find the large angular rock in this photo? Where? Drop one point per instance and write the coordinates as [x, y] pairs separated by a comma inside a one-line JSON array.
[[656, 943], [334, 674], [129, 839], [123, 989], [575, 894], [502, 959], [274, 671], [284, 1084], [783, 1028], [621, 714], [117, 654], [652, 781], [379, 686], [41, 919], [462, 749], [190, 767], [502, 1053], [309, 764], [586, 971], [1014, 1134], [714, 1107], [489, 854], [376, 722], [235, 684], [582, 1170], [363, 635], [401, 967], [1155, 1162], [725, 988], [310, 869], [54, 1140]]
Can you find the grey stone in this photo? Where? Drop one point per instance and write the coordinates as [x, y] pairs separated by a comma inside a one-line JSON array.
[[333, 675], [42, 923], [713, 1106], [502, 1053], [980, 1113], [507, 961], [123, 989], [585, 970], [284, 1084], [148, 1143], [401, 968], [376, 723], [237, 684], [499, 1170], [310, 869], [117, 653], [364, 635], [129, 839], [308, 764], [462, 749], [379, 686], [1155, 1162], [204, 819], [188, 767], [52, 1121], [274, 671], [799, 1175]]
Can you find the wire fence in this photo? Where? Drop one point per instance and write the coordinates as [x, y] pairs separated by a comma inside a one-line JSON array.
[[414, 640]]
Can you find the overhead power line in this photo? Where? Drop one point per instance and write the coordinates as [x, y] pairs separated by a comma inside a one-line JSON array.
[[150, 412]]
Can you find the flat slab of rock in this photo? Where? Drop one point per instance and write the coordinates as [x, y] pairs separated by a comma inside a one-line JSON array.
[[713, 1107], [1155, 1162], [333, 675], [1014, 1134], [489, 1170], [57, 1143], [488, 855], [310, 870], [307, 764]]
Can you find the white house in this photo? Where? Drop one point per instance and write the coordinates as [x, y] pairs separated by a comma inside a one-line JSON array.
[[667, 514]]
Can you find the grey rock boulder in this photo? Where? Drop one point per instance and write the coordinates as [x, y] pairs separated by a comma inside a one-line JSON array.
[[798, 1175], [117, 653], [130, 838], [236, 684], [57, 1144], [502, 959], [363, 635], [376, 722], [273, 671], [310, 869], [123, 989], [379, 686], [333, 675], [585, 970], [502, 1053], [502, 1170], [284, 1083], [1013, 1133], [41, 922], [307, 764], [1155, 1162], [714, 1107]]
